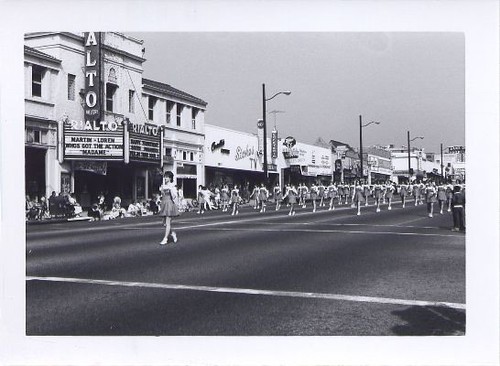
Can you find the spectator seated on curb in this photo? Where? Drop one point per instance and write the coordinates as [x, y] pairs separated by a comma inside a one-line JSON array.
[[95, 212]]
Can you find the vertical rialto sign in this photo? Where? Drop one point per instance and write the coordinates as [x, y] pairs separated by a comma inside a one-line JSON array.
[[93, 85]]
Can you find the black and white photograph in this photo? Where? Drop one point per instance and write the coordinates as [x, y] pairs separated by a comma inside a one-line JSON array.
[[298, 190]]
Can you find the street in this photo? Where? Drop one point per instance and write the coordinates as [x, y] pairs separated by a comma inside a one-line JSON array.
[[395, 272]]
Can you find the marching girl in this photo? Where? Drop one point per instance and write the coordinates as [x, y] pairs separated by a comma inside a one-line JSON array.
[[303, 195], [314, 196], [403, 190], [421, 193], [384, 193], [321, 194], [291, 195], [299, 192], [332, 194], [415, 189], [235, 199], [358, 197], [352, 190], [224, 197], [389, 192], [168, 207], [377, 192], [441, 197], [278, 196], [430, 197], [366, 192], [340, 193], [449, 196], [255, 196], [263, 195], [217, 197]]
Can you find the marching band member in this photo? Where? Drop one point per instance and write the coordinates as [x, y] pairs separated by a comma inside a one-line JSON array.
[[366, 192], [377, 192], [224, 196], [430, 197], [321, 193], [303, 195], [291, 195], [389, 192], [168, 206], [255, 196], [403, 190], [332, 193], [278, 196], [263, 195], [441, 197], [314, 196], [358, 197], [235, 199]]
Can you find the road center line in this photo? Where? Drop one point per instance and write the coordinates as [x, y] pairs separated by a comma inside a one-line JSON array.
[[229, 290]]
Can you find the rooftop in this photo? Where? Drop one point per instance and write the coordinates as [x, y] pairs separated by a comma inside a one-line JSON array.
[[165, 88], [34, 52]]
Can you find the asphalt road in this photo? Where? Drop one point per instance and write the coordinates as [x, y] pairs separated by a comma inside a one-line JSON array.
[[396, 272]]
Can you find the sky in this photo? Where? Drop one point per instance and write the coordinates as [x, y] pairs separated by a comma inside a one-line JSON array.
[[407, 81]]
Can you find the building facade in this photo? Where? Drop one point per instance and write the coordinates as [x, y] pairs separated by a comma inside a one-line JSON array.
[[89, 118]]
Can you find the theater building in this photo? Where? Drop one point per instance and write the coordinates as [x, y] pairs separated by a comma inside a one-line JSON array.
[[88, 118]]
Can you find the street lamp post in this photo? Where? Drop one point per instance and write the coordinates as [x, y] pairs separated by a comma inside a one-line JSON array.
[[409, 159], [264, 100], [361, 125]]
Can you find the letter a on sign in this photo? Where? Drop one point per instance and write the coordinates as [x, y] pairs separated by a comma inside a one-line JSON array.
[[91, 41]]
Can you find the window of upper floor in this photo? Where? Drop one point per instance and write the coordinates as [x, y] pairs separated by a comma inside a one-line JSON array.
[[180, 108], [71, 86], [131, 102], [37, 74], [151, 107], [170, 107], [194, 114], [110, 96]]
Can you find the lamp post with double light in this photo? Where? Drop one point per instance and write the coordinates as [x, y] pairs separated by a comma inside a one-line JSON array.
[[361, 126], [409, 159], [264, 100]]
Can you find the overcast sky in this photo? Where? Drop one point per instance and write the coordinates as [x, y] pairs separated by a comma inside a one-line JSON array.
[[407, 81]]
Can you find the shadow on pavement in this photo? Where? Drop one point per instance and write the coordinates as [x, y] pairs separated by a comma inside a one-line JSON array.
[[430, 320]]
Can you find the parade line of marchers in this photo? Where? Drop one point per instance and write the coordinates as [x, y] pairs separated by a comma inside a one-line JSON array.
[[448, 197]]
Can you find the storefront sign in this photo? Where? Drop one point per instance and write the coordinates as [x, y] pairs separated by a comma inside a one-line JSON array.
[[217, 145], [93, 88], [272, 167], [246, 152], [97, 167], [456, 149], [144, 142], [93, 145], [289, 142], [274, 144], [260, 137]]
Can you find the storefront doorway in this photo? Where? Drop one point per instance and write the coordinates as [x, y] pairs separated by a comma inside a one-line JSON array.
[[34, 171]]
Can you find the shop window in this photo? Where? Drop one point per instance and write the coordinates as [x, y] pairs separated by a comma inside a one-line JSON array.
[[110, 94], [131, 106], [170, 106], [194, 113], [71, 87], [151, 107], [37, 73], [180, 107]]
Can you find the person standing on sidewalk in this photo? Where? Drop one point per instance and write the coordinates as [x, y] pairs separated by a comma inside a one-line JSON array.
[[168, 206], [458, 208]]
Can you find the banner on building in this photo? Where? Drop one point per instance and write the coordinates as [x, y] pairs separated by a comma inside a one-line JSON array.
[[96, 167], [260, 137], [274, 144], [93, 85]]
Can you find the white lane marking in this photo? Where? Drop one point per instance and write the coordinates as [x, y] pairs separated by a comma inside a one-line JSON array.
[[308, 295], [331, 231], [333, 224]]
